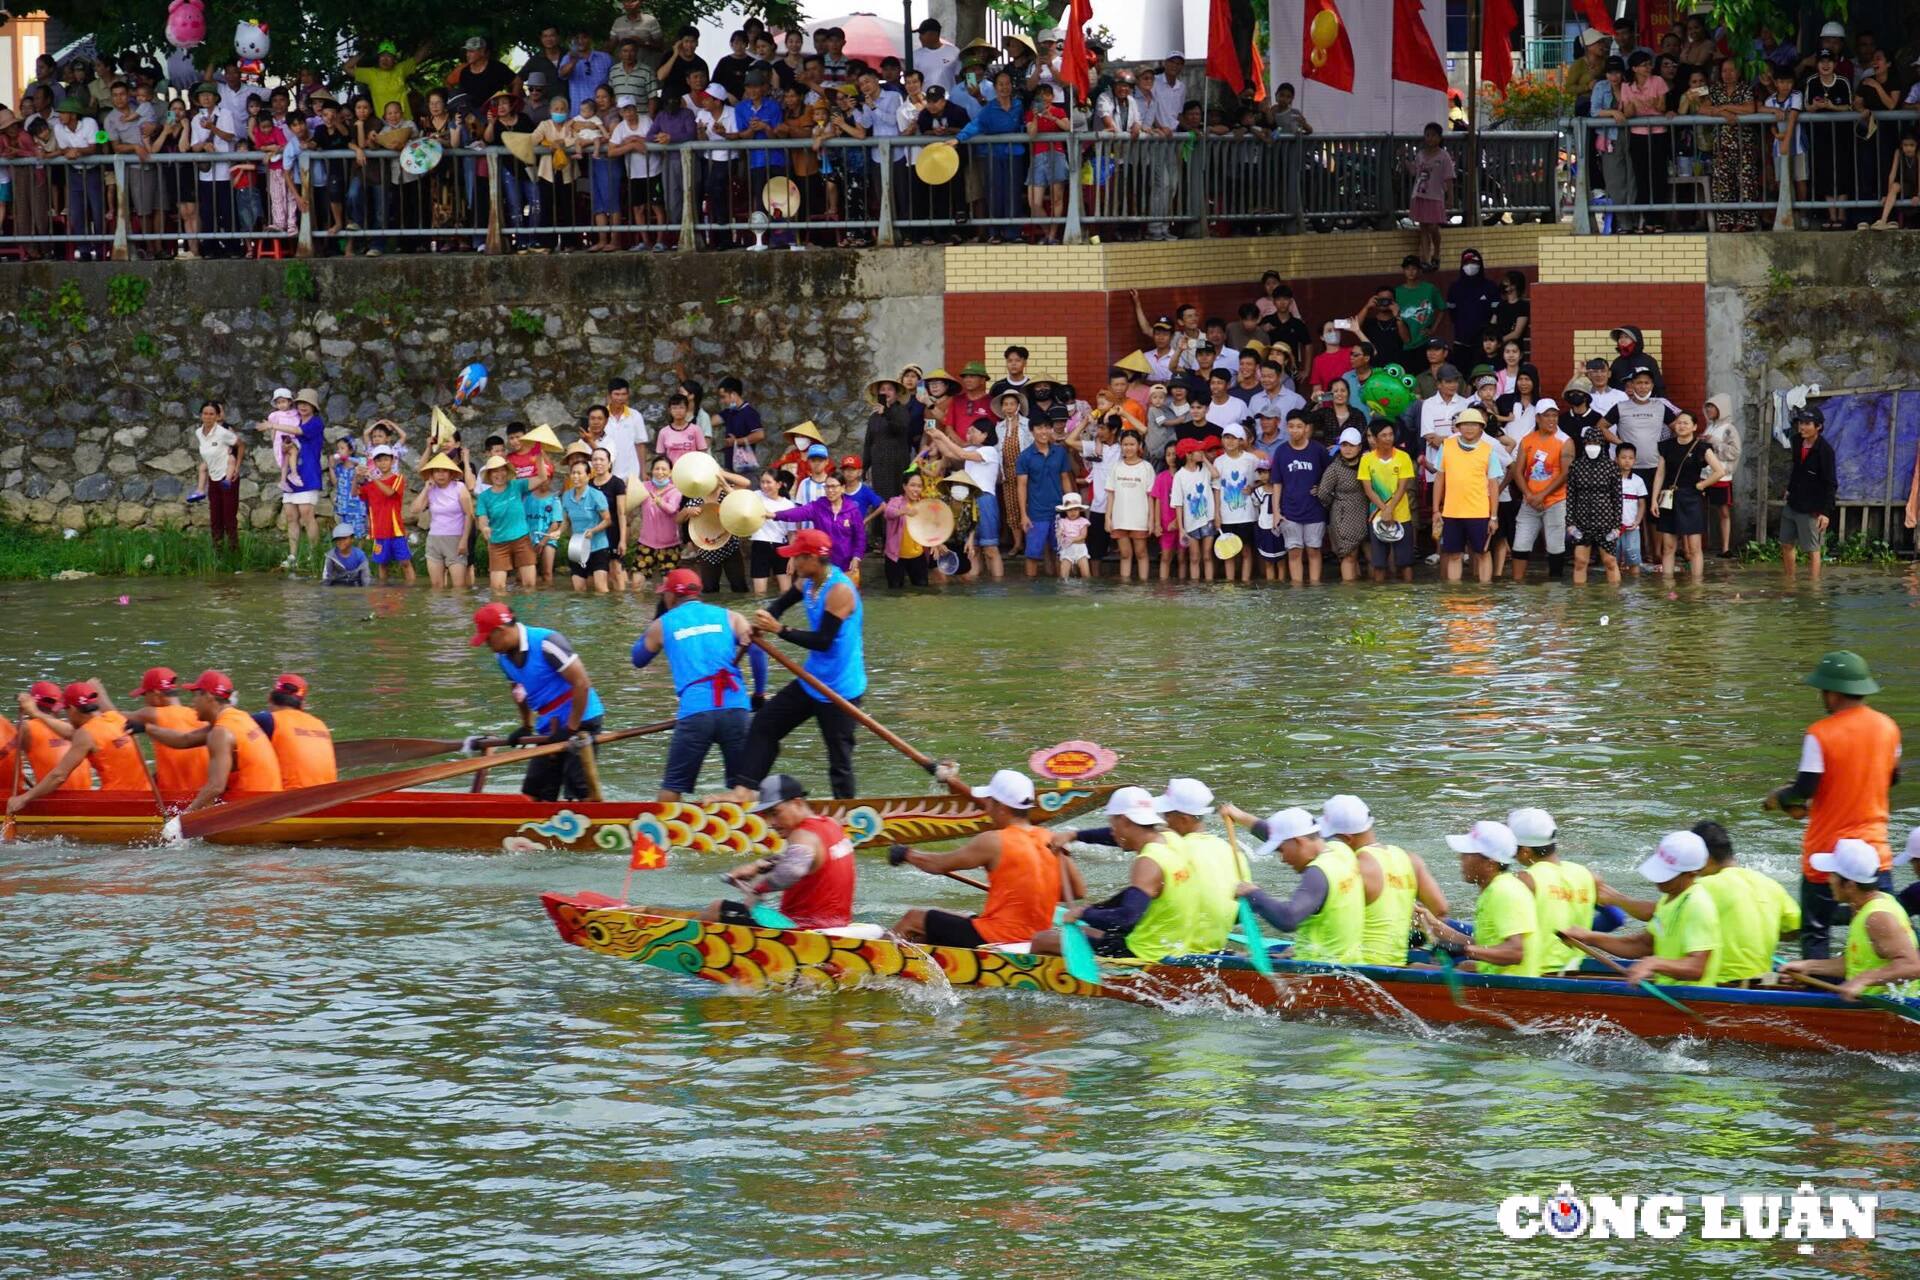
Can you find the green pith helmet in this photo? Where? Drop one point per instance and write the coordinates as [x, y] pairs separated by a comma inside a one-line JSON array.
[[1844, 671]]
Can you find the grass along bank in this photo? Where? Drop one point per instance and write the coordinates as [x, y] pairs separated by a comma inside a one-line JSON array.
[[32, 552]]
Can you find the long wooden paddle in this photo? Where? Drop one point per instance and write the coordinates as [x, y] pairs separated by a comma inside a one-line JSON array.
[[365, 753], [293, 804], [1249, 918], [13, 788], [1650, 988], [969, 881], [847, 708], [1900, 1007]]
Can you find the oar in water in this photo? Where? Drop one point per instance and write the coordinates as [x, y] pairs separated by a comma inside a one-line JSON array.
[[1075, 948], [1650, 988], [13, 788], [282, 805], [1249, 919], [1899, 1007]]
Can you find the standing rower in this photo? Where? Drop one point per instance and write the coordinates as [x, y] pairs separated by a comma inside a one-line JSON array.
[[240, 760], [47, 745], [1848, 761], [1403, 880], [703, 643], [179, 773], [99, 739], [1023, 874], [1506, 926], [301, 740], [1880, 938], [557, 701], [814, 871], [1327, 912], [1563, 892], [1683, 942], [836, 656]]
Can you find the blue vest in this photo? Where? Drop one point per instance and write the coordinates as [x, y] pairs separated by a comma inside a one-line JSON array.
[[843, 667], [547, 692], [697, 638]]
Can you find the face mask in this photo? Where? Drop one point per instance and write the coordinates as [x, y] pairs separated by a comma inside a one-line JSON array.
[[559, 117], [1593, 450], [1470, 269]]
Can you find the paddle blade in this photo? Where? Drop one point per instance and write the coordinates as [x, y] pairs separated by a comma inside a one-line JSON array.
[[768, 918], [1076, 950], [1256, 944], [1451, 976], [365, 753]]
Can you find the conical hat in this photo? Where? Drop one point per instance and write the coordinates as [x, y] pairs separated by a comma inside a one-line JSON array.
[[1133, 362], [705, 528], [806, 431], [393, 139], [780, 197], [440, 462], [937, 163], [742, 512], [519, 146], [930, 521], [543, 436], [442, 432]]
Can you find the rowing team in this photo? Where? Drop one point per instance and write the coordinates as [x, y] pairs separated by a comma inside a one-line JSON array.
[[76, 737], [1358, 900]]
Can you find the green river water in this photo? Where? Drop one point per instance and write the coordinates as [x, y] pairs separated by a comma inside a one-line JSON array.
[[304, 1063]]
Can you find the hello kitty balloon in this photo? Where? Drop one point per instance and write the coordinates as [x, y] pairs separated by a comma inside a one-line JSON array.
[[250, 41], [186, 23]]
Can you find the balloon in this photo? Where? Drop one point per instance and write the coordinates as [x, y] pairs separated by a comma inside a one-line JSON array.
[[1387, 392], [471, 382], [1318, 57], [250, 40], [186, 23], [1325, 29]]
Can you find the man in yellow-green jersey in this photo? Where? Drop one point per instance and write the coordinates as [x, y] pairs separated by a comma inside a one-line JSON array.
[[1563, 892]]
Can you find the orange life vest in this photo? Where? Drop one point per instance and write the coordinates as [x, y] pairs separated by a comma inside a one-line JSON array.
[[44, 751], [115, 757], [1859, 748], [255, 767], [180, 770], [8, 740], [304, 748], [1022, 889]]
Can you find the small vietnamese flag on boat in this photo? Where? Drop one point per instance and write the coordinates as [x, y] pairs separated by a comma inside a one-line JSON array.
[[647, 856]]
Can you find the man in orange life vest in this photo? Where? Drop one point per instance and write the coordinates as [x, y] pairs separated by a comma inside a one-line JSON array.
[[95, 736], [240, 759], [46, 745], [814, 872], [1023, 874], [302, 743], [179, 773], [1848, 761]]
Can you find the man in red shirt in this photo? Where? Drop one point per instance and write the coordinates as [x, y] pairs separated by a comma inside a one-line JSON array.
[[972, 402], [814, 872], [525, 457], [385, 492]]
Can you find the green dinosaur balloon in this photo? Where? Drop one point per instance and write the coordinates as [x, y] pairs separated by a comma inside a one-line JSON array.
[[1387, 391]]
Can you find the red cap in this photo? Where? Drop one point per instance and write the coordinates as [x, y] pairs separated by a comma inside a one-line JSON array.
[[45, 691], [81, 695], [807, 542], [213, 682], [1187, 447], [157, 680], [487, 619], [290, 684], [682, 582], [1212, 444], [853, 462]]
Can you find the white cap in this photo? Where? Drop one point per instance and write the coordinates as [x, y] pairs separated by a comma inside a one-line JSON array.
[[626, 100], [1831, 31], [1532, 827], [1592, 36], [1489, 840], [1545, 404], [1233, 429], [1678, 853], [1351, 436], [1913, 845], [1855, 859], [1135, 804], [1186, 795], [1285, 825], [1175, 53], [1055, 34], [380, 451], [1345, 815], [1010, 787], [282, 393]]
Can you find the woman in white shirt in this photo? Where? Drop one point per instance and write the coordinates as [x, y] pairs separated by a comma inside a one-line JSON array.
[[629, 142], [1130, 514], [219, 473]]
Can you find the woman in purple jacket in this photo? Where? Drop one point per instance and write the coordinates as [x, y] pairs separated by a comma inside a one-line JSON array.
[[842, 520]]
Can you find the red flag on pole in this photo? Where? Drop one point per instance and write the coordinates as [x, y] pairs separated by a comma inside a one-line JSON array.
[[1596, 13], [1261, 92], [1073, 57], [647, 856], [1415, 60], [1496, 43], [1230, 43], [1326, 55]]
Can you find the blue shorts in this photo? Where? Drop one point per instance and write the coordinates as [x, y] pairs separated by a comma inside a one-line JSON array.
[[1626, 549], [606, 186], [391, 550], [986, 529], [1039, 539], [1049, 167], [697, 734], [1459, 535]]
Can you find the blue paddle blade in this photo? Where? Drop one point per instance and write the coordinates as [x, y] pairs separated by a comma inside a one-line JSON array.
[[1076, 950], [1256, 945], [767, 918]]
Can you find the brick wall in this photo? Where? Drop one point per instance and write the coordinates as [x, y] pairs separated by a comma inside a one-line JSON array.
[[1676, 313]]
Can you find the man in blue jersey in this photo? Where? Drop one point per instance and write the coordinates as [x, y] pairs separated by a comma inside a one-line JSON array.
[[703, 643], [557, 700], [836, 657]]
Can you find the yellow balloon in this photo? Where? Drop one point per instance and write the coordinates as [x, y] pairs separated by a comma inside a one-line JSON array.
[[1318, 57], [1325, 29]]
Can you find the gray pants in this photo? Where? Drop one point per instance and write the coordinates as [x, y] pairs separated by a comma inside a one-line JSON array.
[[1163, 180], [1617, 173]]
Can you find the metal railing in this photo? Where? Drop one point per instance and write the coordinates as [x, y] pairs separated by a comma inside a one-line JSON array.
[[771, 192], [1835, 169]]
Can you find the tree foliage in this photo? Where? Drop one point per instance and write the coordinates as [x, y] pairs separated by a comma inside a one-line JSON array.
[[313, 32], [1744, 18]]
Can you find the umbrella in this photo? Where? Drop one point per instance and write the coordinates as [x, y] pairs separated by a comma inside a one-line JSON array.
[[869, 38]]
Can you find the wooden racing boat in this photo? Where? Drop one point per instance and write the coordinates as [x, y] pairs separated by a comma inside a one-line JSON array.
[[490, 821], [756, 957]]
